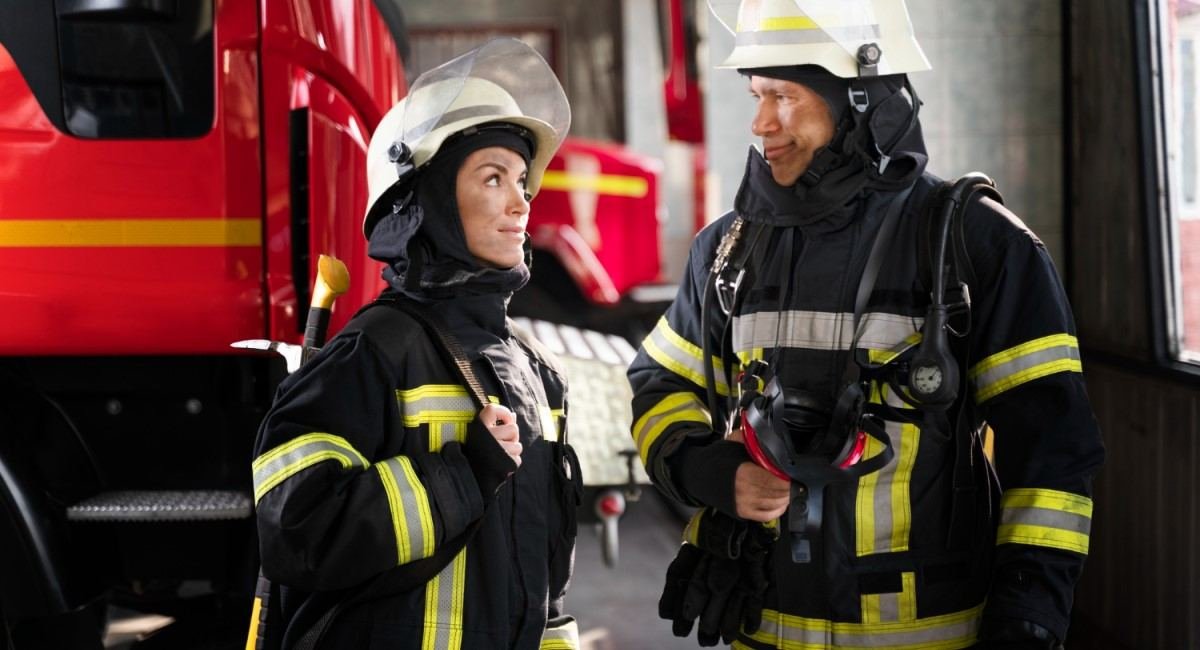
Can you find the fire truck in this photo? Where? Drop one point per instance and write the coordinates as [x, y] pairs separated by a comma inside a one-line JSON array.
[[169, 173]]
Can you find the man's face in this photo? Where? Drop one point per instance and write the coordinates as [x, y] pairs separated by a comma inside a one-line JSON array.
[[793, 123]]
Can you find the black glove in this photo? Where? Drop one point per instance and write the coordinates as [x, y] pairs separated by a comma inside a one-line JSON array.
[[1015, 634], [720, 580]]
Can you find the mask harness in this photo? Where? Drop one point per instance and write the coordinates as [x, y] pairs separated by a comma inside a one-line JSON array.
[[796, 435]]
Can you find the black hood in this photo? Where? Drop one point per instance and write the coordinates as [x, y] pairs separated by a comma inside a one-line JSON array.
[[422, 241], [849, 166]]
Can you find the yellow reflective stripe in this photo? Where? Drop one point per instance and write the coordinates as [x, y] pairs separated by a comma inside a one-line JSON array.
[[443, 627], [1050, 518], [435, 402], [606, 184], [892, 607], [563, 637], [682, 357], [546, 415], [118, 233], [1049, 499], [252, 636], [1025, 362], [864, 507], [1042, 536], [955, 630], [881, 357], [785, 23], [408, 502], [901, 481], [672, 409], [908, 597], [300, 453], [691, 532]]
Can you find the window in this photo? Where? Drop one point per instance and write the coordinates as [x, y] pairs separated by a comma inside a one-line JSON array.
[[1179, 31]]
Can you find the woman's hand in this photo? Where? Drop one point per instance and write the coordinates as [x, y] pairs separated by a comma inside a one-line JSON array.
[[502, 424]]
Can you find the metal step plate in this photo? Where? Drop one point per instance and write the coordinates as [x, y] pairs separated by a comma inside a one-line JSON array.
[[163, 505], [600, 414]]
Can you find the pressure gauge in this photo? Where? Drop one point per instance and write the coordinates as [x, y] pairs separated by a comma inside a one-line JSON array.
[[926, 380]]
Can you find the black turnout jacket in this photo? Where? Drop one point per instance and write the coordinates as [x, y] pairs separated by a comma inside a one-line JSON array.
[[889, 570], [372, 461]]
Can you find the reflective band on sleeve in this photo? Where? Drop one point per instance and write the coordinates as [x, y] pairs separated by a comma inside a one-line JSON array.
[[444, 606], [563, 637], [681, 356], [298, 454], [408, 502], [1031, 360], [673, 409], [957, 630], [1047, 518]]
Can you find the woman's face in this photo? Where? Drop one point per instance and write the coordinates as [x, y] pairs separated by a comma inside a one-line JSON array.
[[491, 202]]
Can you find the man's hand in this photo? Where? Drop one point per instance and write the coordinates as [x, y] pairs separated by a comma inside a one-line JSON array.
[[759, 495], [502, 424]]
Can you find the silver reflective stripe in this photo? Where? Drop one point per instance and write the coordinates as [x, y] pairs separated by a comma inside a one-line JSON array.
[[807, 36], [889, 607], [664, 414], [1048, 518], [288, 459], [818, 330], [1026, 362], [444, 606], [411, 516], [919, 634], [435, 402]]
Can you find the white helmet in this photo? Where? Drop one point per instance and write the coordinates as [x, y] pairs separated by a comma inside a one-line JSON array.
[[503, 80], [849, 38]]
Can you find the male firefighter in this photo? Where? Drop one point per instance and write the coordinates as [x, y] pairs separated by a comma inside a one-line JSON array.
[[395, 510], [821, 384]]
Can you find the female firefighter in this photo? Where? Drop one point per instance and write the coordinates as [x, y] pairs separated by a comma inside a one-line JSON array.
[[392, 511]]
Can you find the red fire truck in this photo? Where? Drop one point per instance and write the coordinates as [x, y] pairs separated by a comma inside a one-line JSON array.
[[169, 173]]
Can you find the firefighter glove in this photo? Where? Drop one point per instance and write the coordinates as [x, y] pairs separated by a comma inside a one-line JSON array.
[[718, 578]]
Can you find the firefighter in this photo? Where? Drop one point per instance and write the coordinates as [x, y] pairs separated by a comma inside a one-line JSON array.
[[821, 384], [374, 465]]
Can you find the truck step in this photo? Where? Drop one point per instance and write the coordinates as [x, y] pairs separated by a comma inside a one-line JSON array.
[[162, 505]]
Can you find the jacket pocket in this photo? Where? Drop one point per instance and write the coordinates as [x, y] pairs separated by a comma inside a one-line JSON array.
[[566, 493]]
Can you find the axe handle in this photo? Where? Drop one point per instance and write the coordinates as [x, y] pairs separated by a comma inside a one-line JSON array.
[[332, 281]]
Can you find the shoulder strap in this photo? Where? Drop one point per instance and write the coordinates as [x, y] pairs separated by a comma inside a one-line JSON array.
[[387, 328]]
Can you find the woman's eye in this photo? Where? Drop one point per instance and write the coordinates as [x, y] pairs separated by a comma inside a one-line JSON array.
[[492, 181]]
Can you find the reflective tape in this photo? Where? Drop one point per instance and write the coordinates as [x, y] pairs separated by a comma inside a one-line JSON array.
[[883, 504], [441, 402], [672, 409], [682, 357], [1049, 518], [412, 519], [896, 607], [1031, 360], [562, 637], [818, 330], [444, 606], [298, 454], [956, 630]]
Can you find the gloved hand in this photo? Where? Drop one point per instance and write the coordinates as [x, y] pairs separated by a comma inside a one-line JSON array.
[[718, 577], [1014, 634]]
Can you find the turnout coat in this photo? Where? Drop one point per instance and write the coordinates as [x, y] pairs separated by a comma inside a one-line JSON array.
[[372, 462], [894, 567]]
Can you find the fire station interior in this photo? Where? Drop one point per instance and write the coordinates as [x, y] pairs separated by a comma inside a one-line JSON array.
[[112, 403]]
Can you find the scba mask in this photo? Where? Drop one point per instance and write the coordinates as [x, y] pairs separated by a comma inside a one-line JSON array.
[[802, 438]]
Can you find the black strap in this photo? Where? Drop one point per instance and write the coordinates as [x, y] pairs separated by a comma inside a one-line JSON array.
[[451, 350], [883, 238]]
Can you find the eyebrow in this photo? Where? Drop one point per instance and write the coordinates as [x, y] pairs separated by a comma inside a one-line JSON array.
[[499, 166]]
